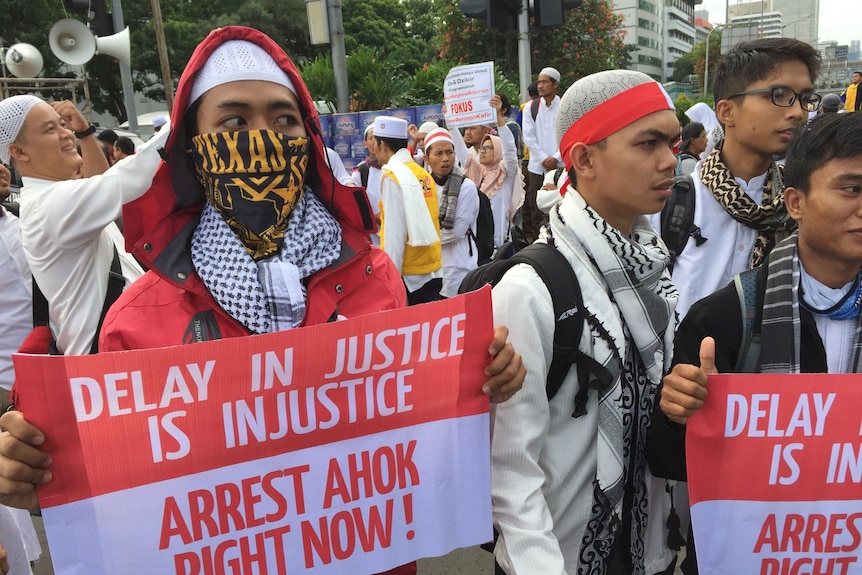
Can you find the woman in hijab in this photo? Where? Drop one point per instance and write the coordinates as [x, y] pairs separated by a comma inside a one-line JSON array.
[[499, 159]]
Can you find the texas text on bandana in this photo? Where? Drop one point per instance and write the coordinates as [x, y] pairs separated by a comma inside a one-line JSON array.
[[254, 179]]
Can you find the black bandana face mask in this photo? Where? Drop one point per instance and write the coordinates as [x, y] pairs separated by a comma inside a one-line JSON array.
[[254, 179]]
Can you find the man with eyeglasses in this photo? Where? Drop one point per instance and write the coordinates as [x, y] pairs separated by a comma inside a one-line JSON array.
[[763, 90]]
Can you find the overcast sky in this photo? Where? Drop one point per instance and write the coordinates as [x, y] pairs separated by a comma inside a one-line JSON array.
[[837, 19]]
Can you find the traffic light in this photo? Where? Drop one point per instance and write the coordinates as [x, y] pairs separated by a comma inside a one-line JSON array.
[[552, 12], [95, 13], [499, 14]]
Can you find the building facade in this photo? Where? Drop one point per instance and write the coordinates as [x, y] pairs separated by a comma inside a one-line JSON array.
[[801, 19], [643, 24], [680, 32]]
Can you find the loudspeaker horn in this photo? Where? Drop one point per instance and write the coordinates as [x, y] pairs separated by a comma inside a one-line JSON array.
[[72, 42], [115, 45], [24, 60]]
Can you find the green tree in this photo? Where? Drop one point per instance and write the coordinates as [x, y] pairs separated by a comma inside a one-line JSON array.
[[699, 56], [587, 42], [383, 25], [28, 21]]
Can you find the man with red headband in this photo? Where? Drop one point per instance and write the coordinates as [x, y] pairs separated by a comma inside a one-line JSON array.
[[570, 484]]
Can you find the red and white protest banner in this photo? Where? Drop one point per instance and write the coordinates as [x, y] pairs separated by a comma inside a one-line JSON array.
[[350, 447], [774, 469], [467, 92]]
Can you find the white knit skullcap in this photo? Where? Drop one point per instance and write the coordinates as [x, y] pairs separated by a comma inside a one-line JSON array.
[[426, 127], [13, 112], [592, 90], [437, 135], [237, 60], [550, 73], [390, 127]]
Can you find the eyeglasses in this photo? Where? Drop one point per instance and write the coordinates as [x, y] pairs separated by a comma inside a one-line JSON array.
[[784, 97], [486, 148]]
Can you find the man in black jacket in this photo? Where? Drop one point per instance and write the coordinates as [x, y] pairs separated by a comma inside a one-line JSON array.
[[808, 293]]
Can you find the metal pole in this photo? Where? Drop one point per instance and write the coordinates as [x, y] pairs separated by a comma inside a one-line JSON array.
[[339, 59], [706, 67], [125, 71], [525, 72], [167, 79]]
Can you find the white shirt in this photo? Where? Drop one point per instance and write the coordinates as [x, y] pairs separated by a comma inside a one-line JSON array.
[[459, 253], [66, 238], [372, 190], [540, 135], [704, 269], [463, 154], [543, 461], [337, 167], [501, 203], [395, 239], [16, 285]]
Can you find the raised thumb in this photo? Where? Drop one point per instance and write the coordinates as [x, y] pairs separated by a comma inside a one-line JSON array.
[[707, 355]]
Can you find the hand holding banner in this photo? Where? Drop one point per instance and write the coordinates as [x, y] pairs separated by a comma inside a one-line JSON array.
[[353, 446]]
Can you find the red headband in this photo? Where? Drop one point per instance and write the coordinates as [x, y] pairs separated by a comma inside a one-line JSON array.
[[614, 114]]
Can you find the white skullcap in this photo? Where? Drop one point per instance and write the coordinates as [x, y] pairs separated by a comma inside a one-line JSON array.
[[550, 73], [390, 127], [426, 127], [237, 60], [437, 135], [13, 112], [598, 105], [159, 121]]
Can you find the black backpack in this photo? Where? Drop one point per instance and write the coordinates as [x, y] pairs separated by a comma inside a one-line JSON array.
[[560, 279], [677, 218], [484, 236]]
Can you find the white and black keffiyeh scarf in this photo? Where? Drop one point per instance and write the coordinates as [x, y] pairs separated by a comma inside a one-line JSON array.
[[268, 295], [781, 325], [641, 293]]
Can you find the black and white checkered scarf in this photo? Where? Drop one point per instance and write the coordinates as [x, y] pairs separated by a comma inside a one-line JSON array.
[[267, 295], [641, 294], [781, 324]]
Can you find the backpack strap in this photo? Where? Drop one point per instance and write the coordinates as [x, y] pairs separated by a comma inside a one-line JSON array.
[[677, 218], [748, 356], [116, 284], [534, 108], [363, 173], [558, 276]]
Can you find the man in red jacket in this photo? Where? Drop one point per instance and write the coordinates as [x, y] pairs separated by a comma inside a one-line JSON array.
[[245, 230]]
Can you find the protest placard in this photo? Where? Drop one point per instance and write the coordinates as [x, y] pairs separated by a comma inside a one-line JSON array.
[[467, 93], [350, 447], [774, 468]]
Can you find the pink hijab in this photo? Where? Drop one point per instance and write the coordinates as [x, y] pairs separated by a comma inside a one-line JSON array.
[[493, 175]]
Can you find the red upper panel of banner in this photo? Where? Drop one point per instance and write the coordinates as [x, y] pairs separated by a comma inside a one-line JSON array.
[[777, 438], [119, 420]]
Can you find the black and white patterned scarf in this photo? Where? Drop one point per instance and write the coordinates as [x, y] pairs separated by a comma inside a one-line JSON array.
[[267, 295], [449, 198], [781, 324], [642, 295], [769, 218]]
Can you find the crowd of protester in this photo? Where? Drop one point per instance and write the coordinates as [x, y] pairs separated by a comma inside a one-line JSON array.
[[777, 187]]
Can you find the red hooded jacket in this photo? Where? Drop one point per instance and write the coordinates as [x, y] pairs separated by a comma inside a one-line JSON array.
[[170, 305]]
